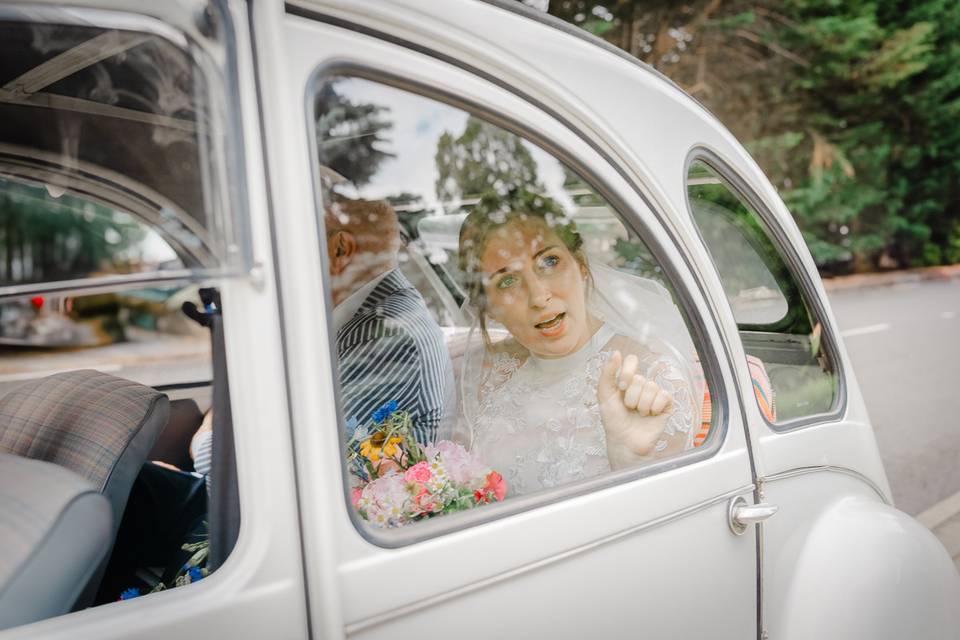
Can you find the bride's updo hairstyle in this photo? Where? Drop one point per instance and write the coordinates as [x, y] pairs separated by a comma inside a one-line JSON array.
[[494, 212]]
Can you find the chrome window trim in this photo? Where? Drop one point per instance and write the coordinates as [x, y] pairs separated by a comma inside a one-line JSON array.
[[354, 628], [424, 530], [795, 266], [827, 468]]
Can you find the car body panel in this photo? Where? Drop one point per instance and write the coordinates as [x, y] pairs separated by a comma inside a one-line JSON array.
[[847, 565]]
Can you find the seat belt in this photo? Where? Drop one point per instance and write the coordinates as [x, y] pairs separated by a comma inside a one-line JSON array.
[[224, 499]]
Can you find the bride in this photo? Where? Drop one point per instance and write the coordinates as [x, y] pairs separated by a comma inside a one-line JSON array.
[[577, 388]]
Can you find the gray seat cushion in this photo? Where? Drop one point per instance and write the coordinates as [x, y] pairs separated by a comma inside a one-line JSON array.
[[97, 425], [55, 531]]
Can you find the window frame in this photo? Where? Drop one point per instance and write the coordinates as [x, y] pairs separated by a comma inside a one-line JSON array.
[[793, 262], [710, 363]]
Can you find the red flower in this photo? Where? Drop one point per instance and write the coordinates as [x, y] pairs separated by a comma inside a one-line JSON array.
[[495, 487]]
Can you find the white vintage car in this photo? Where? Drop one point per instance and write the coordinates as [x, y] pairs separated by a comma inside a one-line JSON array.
[[260, 149]]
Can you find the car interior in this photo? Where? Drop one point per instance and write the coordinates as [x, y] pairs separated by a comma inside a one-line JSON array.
[[103, 144]]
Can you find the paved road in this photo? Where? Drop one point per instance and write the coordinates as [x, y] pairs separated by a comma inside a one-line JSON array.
[[150, 359], [904, 341]]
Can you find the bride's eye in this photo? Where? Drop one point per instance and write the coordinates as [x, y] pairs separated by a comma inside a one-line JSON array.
[[506, 282], [549, 261]]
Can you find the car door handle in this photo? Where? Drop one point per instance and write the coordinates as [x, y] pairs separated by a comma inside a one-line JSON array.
[[741, 515]]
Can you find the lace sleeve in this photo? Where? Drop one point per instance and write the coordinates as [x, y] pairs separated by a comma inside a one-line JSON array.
[[683, 414]]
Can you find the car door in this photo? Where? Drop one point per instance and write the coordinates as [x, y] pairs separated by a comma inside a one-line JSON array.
[[836, 531], [646, 550]]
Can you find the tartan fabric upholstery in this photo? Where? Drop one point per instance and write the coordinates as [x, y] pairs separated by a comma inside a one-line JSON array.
[[99, 426], [56, 529]]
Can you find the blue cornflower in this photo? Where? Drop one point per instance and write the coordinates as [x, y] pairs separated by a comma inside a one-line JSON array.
[[127, 594], [384, 411], [195, 574]]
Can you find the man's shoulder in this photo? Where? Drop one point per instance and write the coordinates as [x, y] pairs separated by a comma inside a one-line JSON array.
[[402, 316]]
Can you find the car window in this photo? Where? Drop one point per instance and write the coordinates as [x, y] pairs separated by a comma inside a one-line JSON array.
[[792, 372], [111, 158], [48, 234], [118, 198], [500, 331]]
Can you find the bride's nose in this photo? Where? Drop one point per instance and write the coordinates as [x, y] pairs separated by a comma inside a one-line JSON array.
[[539, 293]]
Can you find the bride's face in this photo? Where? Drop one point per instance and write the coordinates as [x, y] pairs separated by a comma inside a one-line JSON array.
[[536, 289]]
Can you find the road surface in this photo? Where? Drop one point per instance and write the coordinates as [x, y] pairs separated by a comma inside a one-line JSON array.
[[904, 341]]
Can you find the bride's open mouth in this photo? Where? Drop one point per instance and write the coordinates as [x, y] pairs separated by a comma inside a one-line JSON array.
[[553, 326]]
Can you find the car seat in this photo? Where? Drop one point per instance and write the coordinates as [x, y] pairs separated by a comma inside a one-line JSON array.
[[56, 530], [99, 426]]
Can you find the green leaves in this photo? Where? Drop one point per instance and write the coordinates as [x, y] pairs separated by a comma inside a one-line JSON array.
[[851, 107]]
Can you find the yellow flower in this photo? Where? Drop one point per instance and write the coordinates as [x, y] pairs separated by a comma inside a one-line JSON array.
[[378, 445]]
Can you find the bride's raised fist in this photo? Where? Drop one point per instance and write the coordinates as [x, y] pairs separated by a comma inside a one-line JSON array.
[[634, 410]]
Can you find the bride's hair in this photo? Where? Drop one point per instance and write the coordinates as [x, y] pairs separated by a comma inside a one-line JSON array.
[[495, 212]]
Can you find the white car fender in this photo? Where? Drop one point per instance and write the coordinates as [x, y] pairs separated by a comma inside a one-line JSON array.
[[864, 570]]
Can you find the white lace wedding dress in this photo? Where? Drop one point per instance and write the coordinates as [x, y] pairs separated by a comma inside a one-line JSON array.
[[538, 422]]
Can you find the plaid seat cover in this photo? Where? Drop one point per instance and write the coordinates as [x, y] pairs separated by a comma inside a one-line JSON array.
[[82, 420]]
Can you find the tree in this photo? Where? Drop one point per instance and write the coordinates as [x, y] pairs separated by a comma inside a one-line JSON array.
[[48, 239], [350, 135], [850, 107], [483, 159]]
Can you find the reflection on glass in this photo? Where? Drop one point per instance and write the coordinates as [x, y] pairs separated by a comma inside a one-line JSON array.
[[117, 129], [48, 234], [562, 354]]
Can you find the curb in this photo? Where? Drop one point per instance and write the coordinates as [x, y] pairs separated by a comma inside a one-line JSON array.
[[889, 278], [940, 512]]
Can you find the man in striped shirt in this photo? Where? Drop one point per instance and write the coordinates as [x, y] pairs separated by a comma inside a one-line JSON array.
[[388, 345]]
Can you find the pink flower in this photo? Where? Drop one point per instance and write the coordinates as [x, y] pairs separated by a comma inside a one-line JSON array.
[[355, 494], [419, 472], [424, 501], [460, 465]]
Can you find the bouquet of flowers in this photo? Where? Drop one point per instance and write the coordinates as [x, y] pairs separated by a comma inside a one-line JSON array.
[[398, 480]]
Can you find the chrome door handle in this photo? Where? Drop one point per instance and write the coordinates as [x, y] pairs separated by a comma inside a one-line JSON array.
[[741, 514]]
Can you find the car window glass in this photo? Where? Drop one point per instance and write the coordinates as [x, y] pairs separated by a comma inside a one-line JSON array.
[[124, 129], [49, 234], [792, 373], [488, 307]]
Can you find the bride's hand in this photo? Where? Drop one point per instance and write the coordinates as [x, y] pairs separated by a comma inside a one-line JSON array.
[[634, 410]]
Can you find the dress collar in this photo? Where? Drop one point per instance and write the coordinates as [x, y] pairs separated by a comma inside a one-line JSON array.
[[573, 360]]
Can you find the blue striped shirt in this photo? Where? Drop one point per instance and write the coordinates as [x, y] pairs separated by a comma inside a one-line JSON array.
[[392, 349]]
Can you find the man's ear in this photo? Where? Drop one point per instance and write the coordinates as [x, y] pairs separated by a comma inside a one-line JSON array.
[[341, 248]]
